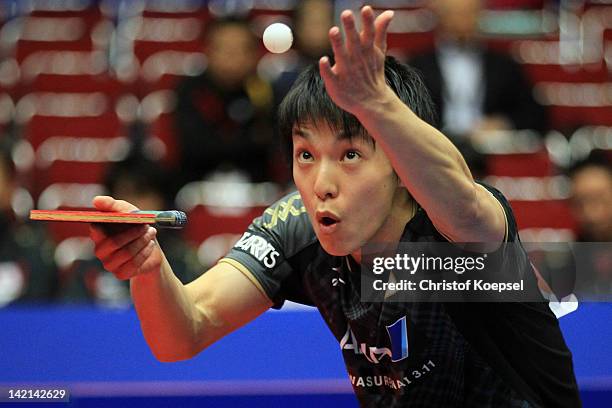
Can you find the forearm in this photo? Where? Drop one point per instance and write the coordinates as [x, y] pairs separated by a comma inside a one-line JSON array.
[[428, 164], [177, 321], [167, 316]]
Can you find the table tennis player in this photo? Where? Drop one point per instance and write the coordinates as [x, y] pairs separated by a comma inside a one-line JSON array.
[[368, 168]]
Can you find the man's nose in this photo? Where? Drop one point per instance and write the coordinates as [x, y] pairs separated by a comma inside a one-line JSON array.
[[326, 183]]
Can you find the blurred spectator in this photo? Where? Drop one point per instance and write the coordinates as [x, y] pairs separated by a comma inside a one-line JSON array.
[[27, 268], [475, 89], [224, 116], [312, 20], [591, 199], [142, 183], [591, 182]]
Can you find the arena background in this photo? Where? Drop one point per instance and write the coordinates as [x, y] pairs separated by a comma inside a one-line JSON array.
[[77, 76]]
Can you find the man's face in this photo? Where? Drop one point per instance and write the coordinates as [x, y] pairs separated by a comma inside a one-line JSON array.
[[458, 19], [232, 54], [348, 188], [592, 202], [312, 26]]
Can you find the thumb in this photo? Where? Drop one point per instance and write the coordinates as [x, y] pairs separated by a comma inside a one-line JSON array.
[[107, 203]]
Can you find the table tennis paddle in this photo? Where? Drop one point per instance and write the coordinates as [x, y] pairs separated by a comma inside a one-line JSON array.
[[167, 219]]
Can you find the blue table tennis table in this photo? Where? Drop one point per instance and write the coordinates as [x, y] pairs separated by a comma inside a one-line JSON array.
[[283, 358]]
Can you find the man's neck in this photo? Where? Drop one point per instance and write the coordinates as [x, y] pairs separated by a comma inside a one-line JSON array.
[[404, 209]]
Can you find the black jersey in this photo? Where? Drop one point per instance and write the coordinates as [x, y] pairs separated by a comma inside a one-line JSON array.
[[412, 354]]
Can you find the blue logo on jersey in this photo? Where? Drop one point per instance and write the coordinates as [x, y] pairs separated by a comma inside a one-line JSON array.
[[399, 339], [398, 334]]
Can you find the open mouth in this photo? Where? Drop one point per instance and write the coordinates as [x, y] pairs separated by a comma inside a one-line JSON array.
[[327, 221]]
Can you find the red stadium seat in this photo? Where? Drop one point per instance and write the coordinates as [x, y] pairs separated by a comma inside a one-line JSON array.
[[591, 73], [214, 232], [223, 207], [100, 82], [520, 164], [515, 4], [75, 30], [576, 104], [68, 196], [7, 111], [281, 13], [164, 46], [73, 135], [196, 9], [61, 231], [514, 153], [164, 69], [10, 74], [102, 124], [540, 205], [157, 110], [411, 31], [569, 117], [205, 222], [543, 214]]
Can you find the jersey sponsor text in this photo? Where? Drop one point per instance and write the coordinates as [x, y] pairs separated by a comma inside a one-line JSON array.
[[259, 248]]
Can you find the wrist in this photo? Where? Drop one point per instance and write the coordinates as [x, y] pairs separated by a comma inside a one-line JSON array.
[[386, 102], [146, 278], [152, 275]]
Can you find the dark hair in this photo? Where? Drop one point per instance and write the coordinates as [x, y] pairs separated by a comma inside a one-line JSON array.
[[597, 158], [308, 101]]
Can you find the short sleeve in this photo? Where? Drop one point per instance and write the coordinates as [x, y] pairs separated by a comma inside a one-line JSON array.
[[264, 251], [511, 227]]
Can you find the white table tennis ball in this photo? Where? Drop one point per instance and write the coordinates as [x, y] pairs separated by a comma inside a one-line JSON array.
[[277, 38]]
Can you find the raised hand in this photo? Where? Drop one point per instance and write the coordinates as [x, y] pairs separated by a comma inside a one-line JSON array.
[[125, 250], [357, 77]]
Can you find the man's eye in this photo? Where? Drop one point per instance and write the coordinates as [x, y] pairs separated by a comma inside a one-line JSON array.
[[304, 156], [351, 155]]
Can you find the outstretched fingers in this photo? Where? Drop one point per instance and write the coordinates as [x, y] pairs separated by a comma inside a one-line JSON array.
[[357, 74], [338, 47], [381, 26], [353, 40], [359, 45], [326, 70], [367, 21]]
